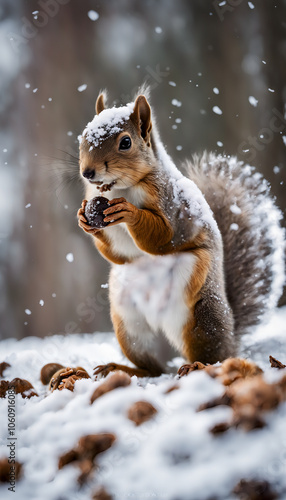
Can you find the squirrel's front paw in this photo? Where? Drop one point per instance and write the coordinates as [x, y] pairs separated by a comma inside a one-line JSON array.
[[120, 210], [82, 221]]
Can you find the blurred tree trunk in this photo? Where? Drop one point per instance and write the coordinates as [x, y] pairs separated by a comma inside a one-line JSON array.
[[48, 234], [273, 32]]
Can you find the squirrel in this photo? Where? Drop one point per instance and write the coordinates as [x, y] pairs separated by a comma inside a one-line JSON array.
[[196, 259]]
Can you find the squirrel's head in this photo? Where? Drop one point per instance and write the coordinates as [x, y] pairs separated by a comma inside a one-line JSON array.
[[116, 145]]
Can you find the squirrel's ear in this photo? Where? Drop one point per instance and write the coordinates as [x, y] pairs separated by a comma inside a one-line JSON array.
[[141, 117], [99, 105]]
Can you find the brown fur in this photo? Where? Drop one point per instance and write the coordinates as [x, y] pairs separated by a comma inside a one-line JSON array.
[[146, 363], [157, 226], [250, 252]]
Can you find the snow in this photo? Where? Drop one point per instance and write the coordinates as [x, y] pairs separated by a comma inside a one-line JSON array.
[[28, 312], [107, 123], [70, 257], [250, 4], [217, 110], [82, 87], [253, 101], [235, 209], [93, 15], [159, 459], [158, 30], [215, 90], [176, 103], [185, 190]]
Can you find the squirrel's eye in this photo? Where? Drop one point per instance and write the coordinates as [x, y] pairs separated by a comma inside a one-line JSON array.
[[125, 143]]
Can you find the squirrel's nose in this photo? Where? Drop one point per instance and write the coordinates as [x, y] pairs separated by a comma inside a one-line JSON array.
[[88, 173]]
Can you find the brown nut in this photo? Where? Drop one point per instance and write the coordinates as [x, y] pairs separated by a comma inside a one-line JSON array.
[[275, 363], [119, 379], [141, 411], [94, 211], [101, 494], [23, 387], [254, 489], [65, 378], [3, 367], [4, 386], [91, 445], [48, 371], [5, 470], [67, 458]]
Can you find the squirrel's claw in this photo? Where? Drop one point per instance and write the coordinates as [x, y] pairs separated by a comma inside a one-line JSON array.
[[190, 367], [101, 371]]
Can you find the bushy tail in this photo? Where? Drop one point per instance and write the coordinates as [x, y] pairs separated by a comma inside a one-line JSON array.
[[254, 241]]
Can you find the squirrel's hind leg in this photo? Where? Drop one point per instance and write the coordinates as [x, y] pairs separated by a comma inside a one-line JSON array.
[[103, 370], [208, 335], [137, 342]]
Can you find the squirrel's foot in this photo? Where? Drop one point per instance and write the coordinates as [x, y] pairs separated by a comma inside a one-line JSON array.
[[190, 367], [102, 371]]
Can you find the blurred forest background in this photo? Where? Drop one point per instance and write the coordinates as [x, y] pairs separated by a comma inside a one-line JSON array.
[[217, 70]]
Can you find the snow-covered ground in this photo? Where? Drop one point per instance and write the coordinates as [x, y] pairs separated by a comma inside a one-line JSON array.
[[173, 456]]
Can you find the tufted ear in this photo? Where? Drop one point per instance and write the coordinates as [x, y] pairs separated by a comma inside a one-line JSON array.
[[100, 103], [141, 117]]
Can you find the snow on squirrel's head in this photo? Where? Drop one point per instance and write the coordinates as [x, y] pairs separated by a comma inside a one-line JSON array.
[[115, 147]]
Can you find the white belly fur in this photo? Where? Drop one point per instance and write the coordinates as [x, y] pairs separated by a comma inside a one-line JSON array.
[[121, 242], [153, 288]]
